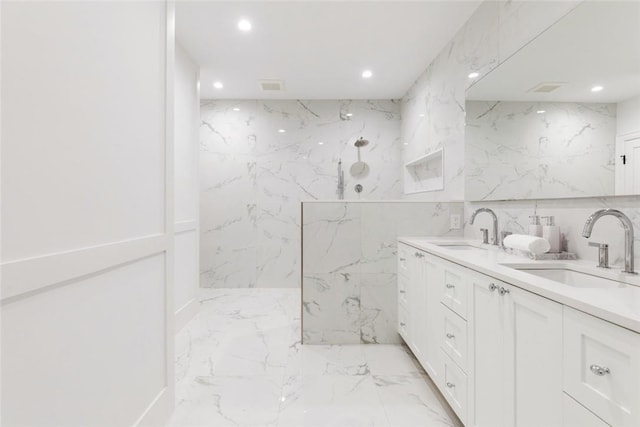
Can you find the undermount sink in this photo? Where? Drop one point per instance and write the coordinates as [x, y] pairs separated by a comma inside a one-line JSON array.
[[569, 277]]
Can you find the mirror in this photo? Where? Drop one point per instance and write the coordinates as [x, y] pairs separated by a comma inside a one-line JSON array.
[[538, 127]]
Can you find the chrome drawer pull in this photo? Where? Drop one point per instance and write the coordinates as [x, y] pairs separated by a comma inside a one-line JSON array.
[[403, 324], [403, 259], [449, 286], [451, 385], [403, 292], [599, 370], [450, 336], [492, 287], [503, 291]]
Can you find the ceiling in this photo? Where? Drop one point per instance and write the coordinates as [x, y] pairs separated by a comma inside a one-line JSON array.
[[598, 43], [318, 48]]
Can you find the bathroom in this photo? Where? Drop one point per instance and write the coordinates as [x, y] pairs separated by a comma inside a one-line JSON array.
[[218, 219]]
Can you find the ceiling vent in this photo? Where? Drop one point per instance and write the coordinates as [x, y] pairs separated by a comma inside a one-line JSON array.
[[546, 87], [271, 85]]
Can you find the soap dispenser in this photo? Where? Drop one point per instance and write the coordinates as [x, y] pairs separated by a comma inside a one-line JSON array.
[[552, 234], [535, 229]]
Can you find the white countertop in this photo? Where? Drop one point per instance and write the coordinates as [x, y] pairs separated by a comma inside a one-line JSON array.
[[620, 305]]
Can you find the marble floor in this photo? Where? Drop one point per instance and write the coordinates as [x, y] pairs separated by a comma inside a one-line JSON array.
[[240, 362]]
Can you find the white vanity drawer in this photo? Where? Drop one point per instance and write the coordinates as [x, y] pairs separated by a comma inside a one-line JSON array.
[[602, 367], [454, 337], [454, 290], [576, 415], [454, 387], [403, 323]]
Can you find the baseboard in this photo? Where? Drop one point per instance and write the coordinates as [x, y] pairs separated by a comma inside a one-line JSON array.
[[158, 412], [185, 313]]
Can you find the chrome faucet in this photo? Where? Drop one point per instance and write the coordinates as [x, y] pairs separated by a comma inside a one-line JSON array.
[[495, 222], [628, 234]]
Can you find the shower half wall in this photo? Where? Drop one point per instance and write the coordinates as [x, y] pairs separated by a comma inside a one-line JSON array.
[[253, 178], [349, 265]]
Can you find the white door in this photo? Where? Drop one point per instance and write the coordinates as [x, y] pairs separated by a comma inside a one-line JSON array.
[[630, 164], [489, 366], [87, 213], [533, 359]]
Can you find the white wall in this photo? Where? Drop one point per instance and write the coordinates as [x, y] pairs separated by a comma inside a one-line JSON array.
[[87, 213], [187, 117], [254, 177]]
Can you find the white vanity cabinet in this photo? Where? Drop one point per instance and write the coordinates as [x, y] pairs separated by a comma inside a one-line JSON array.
[[602, 368], [517, 339], [576, 415], [419, 317], [494, 350], [506, 357]]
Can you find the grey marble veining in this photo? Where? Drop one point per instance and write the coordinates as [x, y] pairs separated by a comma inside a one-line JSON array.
[[253, 178], [433, 116], [350, 266], [240, 362], [433, 110], [514, 152], [570, 216]]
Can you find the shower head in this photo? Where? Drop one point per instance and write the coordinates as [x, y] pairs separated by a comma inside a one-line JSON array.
[[361, 142]]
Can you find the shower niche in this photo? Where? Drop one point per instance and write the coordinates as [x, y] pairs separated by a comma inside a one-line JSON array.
[[426, 173]]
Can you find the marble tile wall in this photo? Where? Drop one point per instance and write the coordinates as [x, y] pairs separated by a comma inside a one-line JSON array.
[[349, 265], [433, 114], [253, 178], [514, 152], [433, 110], [570, 216]]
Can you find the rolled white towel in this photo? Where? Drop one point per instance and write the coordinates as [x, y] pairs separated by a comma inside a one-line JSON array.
[[524, 242]]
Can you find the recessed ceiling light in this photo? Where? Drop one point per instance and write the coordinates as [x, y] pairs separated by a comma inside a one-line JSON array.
[[281, 130], [366, 74], [320, 143], [406, 143], [236, 109], [421, 115], [473, 75], [218, 85], [541, 111], [244, 25], [349, 114], [596, 88]]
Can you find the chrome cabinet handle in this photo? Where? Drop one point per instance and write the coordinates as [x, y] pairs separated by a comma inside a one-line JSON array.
[[403, 324], [492, 287], [403, 292], [403, 259], [451, 385], [450, 336], [599, 370], [503, 291], [449, 286]]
